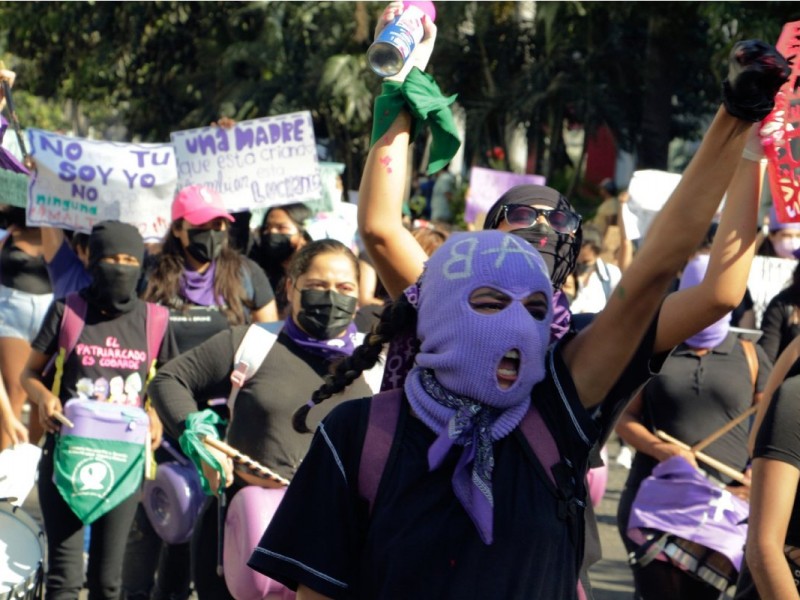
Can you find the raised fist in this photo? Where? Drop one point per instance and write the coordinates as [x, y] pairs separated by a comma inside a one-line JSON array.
[[756, 72]]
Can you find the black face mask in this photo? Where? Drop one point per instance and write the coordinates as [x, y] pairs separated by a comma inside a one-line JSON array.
[[205, 244], [559, 250], [583, 268], [275, 249], [113, 287], [325, 315]]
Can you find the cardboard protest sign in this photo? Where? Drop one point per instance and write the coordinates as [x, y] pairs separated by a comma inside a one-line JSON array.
[[781, 133], [259, 163], [487, 185], [79, 182], [649, 190], [768, 276]]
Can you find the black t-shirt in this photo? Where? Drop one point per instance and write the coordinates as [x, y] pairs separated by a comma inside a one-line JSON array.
[[779, 439], [693, 396], [21, 271], [110, 360], [194, 324], [419, 542], [780, 324], [261, 424]]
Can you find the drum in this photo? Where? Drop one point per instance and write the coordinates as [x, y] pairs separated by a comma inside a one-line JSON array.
[[22, 555]]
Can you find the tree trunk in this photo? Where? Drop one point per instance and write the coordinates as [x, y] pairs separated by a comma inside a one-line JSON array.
[[657, 100]]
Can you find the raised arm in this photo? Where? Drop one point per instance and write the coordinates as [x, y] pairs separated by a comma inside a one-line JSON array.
[[687, 311], [396, 255], [52, 238], [597, 356]]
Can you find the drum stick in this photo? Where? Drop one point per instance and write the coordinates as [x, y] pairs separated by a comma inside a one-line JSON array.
[[245, 460], [711, 462], [63, 420], [724, 429]]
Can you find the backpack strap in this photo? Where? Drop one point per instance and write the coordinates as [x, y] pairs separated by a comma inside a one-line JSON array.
[[540, 440], [384, 414], [72, 322], [752, 359], [249, 356], [156, 327]]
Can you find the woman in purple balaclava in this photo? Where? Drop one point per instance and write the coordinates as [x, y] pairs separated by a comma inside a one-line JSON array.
[[464, 508], [706, 382]]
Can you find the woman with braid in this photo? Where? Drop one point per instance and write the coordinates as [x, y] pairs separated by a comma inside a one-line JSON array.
[[322, 288], [464, 506]]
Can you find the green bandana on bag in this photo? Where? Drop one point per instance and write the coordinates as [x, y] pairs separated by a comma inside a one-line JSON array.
[[99, 463]]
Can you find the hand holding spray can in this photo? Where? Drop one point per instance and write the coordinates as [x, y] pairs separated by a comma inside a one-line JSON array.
[[395, 43]]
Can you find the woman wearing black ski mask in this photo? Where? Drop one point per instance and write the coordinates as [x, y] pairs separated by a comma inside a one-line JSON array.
[[110, 362], [282, 235]]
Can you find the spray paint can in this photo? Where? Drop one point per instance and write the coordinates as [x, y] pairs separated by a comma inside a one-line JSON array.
[[390, 50]]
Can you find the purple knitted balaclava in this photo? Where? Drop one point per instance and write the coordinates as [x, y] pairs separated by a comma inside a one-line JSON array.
[[454, 387], [463, 347], [711, 336]]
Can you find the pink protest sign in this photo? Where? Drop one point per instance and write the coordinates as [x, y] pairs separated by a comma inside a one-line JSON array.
[[487, 185], [781, 132]]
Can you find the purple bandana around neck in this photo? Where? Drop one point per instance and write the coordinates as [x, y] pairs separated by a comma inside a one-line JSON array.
[[562, 318], [198, 288], [330, 349], [475, 426]]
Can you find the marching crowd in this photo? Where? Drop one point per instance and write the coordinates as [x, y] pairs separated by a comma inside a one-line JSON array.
[[420, 419]]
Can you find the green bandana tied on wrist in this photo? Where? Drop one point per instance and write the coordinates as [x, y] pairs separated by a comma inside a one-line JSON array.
[[424, 100], [198, 426]]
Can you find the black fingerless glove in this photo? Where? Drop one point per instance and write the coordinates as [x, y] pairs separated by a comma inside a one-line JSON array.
[[756, 73]]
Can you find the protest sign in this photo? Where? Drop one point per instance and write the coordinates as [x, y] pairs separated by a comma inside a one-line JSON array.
[[781, 133], [649, 190], [768, 276], [259, 163], [487, 185], [79, 182]]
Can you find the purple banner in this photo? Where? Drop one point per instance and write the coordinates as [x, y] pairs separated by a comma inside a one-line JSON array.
[[487, 185]]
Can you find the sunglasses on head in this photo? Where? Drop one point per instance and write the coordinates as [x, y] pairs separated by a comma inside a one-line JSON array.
[[522, 216]]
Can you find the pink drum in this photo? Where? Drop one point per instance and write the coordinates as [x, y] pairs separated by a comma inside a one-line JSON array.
[[597, 479]]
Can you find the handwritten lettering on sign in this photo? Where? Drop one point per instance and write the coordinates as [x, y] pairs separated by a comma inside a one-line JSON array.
[[781, 132], [255, 164], [79, 182]]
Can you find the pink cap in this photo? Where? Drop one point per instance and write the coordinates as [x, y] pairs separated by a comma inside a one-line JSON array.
[[427, 7], [198, 205]]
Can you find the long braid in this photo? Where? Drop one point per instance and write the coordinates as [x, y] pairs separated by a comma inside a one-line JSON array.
[[397, 318]]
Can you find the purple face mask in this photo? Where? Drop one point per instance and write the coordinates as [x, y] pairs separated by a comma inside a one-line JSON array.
[[711, 336]]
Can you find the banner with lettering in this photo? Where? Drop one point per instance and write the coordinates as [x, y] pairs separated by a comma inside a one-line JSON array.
[[79, 182], [487, 185], [781, 131], [258, 163]]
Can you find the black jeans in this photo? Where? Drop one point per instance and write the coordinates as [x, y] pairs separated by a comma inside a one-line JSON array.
[[65, 541], [145, 555]]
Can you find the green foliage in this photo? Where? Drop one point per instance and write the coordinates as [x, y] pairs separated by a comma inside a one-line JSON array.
[[650, 71]]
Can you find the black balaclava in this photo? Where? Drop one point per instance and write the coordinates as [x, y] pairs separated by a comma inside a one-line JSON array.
[[113, 287], [559, 250]]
